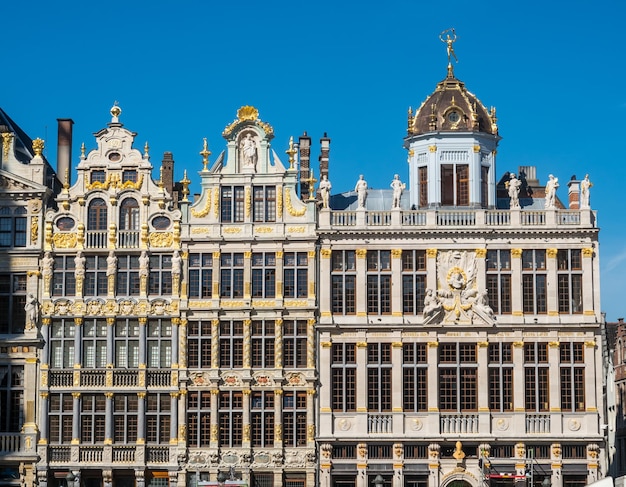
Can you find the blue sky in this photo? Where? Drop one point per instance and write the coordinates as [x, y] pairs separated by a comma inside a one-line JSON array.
[[180, 71]]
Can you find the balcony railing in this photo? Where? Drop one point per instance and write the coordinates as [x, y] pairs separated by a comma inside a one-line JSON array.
[[537, 423], [458, 423], [379, 423], [456, 218], [97, 378]]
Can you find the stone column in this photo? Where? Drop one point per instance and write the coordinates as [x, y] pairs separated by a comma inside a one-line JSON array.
[[591, 370], [278, 418], [141, 418], [78, 343], [215, 429], [554, 351], [76, 419], [396, 378], [247, 275], [311, 274], [516, 286], [589, 279], [551, 277], [310, 417], [361, 377], [433, 379], [175, 341], [110, 342], [173, 418], [108, 419], [246, 419], [247, 342], [361, 282], [431, 270], [519, 405], [396, 284], [311, 346], [278, 343], [215, 344], [483, 392], [143, 321], [43, 418], [325, 283], [280, 285], [215, 291]]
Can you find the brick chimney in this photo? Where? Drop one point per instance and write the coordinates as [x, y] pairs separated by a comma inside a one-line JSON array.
[[325, 151], [305, 164], [573, 193]]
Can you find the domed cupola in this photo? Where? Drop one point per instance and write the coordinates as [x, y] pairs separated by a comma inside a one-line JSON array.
[[452, 140]]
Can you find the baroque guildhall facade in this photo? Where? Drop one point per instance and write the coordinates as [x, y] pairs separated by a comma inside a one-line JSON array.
[[442, 333]]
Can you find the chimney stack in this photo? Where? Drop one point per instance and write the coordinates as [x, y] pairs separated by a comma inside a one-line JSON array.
[[324, 156], [64, 150], [168, 172], [305, 165], [573, 193]]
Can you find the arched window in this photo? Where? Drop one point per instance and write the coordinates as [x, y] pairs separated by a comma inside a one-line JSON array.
[[97, 215], [129, 214]]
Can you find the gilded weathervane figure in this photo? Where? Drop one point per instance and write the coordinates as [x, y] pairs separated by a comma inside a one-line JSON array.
[[449, 42]]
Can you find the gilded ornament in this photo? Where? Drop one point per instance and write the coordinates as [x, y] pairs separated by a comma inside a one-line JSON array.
[[290, 209], [587, 252], [207, 207], [34, 229], [38, 146], [216, 202], [396, 253], [263, 230], [552, 253], [161, 239], [432, 148], [361, 253], [64, 240], [296, 229], [431, 253], [7, 138], [232, 230], [481, 253], [248, 202], [326, 253]]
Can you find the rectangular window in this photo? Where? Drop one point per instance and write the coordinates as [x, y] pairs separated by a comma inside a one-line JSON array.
[[12, 302], [127, 277], [379, 381], [125, 418], [199, 345], [343, 377], [200, 275], [423, 186], [294, 343], [484, 186], [264, 207], [12, 227], [92, 418], [262, 419], [413, 281], [159, 343], [294, 419], [126, 342], [534, 287], [158, 417], [455, 185], [231, 272], [95, 276], [343, 282], [500, 377], [458, 380], [379, 282], [499, 280], [60, 417], [62, 344], [263, 275], [232, 204], [414, 377], [231, 418], [64, 277], [160, 279], [570, 278], [231, 344], [536, 377], [572, 375], [296, 269], [199, 419], [263, 344], [94, 343], [11, 398]]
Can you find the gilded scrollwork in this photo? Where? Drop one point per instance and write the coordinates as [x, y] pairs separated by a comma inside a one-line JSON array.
[[290, 209], [64, 240], [207, 207], [161, 239]]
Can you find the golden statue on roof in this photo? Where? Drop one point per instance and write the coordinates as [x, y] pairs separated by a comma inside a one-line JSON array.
[[449, 41]]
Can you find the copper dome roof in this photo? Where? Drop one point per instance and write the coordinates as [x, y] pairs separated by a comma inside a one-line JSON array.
[[452, 108]]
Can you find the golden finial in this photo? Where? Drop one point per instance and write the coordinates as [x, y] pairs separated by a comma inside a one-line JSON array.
[[146, 149], [82, 150], [449, 41], [205, 153], [410, 119], [38, 145], [185, 182], [116, 111], [311, 180], [291, 152], [66, 184]]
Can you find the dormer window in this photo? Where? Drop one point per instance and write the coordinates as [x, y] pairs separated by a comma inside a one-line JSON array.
[[98, 176], [129, 176]]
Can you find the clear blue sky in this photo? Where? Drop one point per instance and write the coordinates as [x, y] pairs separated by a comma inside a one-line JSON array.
[[180, 70]]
